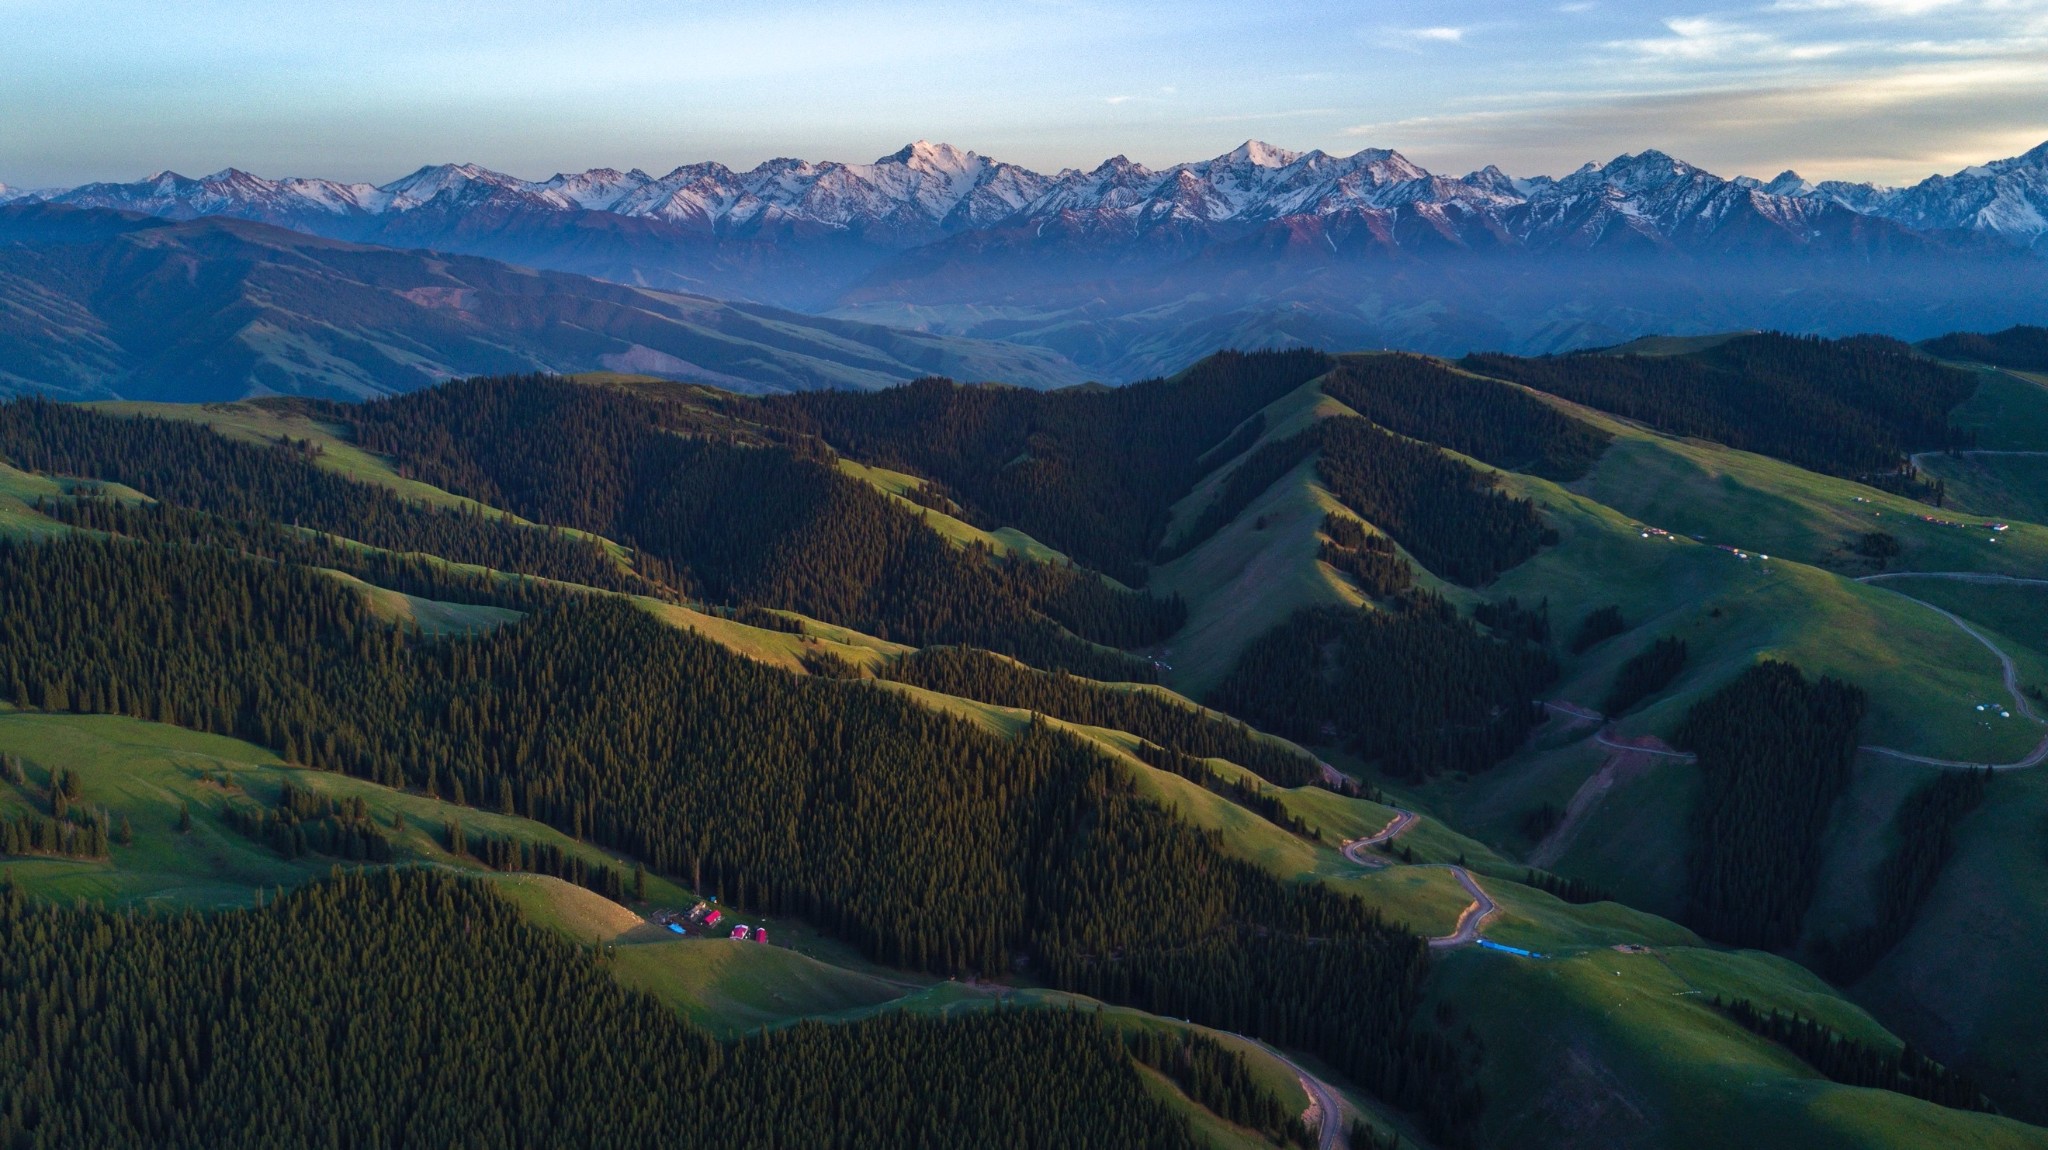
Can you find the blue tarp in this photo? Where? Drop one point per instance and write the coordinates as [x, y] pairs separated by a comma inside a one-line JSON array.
[[1491, 945], [674, 927]]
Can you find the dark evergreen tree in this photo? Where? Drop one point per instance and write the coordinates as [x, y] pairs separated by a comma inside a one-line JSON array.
[[1774, 754]]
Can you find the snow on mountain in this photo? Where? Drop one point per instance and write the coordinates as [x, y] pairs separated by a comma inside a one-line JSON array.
[[927, 191], [2007, 198]]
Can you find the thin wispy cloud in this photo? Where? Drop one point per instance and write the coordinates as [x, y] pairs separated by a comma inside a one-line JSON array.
[[107, 89]]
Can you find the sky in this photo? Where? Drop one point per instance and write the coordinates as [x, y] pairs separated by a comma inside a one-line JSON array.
[[1885, 90]]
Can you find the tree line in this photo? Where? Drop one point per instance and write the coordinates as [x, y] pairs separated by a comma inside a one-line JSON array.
[[68, 831], [512, 853], [923, 840], [1245, 792], [426, 576], [2020, 347], [1217, 1079], [1452, 518], [304, 822], [1774, 753], [1852, 407], [1499, 425], [409, 1008]]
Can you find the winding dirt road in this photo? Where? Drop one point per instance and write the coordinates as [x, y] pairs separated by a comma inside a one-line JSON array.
[[1472, 919], [1611, 745], [1353, 849], [2033, 758], [1323, 1100]]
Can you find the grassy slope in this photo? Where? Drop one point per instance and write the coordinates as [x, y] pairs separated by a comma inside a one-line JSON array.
[[1246, 580], [1753, 502], [733, 987], [1004, 541], [1429, 900], [779, 648], [1966, 983], [1623, 1050], [2009, 412], [144, 771], [2003, 486], [1924, 676], [431, 616]]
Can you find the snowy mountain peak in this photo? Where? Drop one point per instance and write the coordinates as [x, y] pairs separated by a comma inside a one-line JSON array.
[[1259, 154], [1788, 183], [929, 157]]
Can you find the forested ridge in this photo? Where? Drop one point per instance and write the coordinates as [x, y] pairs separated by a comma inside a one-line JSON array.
[[407, 1008], [1853, 407], [921, 839], [990, 679], [1092, 471], [1414, 687], [1498, 425], [1774, 753], [2021, 348], [190, 466], [1452, 518], [740, 520]]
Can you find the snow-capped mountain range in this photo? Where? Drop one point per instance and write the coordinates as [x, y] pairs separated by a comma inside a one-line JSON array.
[[1126, 270], [928, 191]]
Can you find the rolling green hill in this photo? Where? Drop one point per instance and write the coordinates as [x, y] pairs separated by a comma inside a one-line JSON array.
[[934, 856]]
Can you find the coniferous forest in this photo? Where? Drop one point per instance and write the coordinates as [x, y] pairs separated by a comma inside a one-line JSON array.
[[405, 1008], [189, 466], [1092, 471], [1415, 689], [830, 799], [740, 518], [940, 774], [1774, 752]]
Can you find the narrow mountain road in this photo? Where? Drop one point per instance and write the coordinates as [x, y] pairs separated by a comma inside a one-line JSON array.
[[1622, 765], [1562, 707], [1958, 576], [1472, 919], [2033, 758], [1323, 1102], [1353, 849], [1610, 744]]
